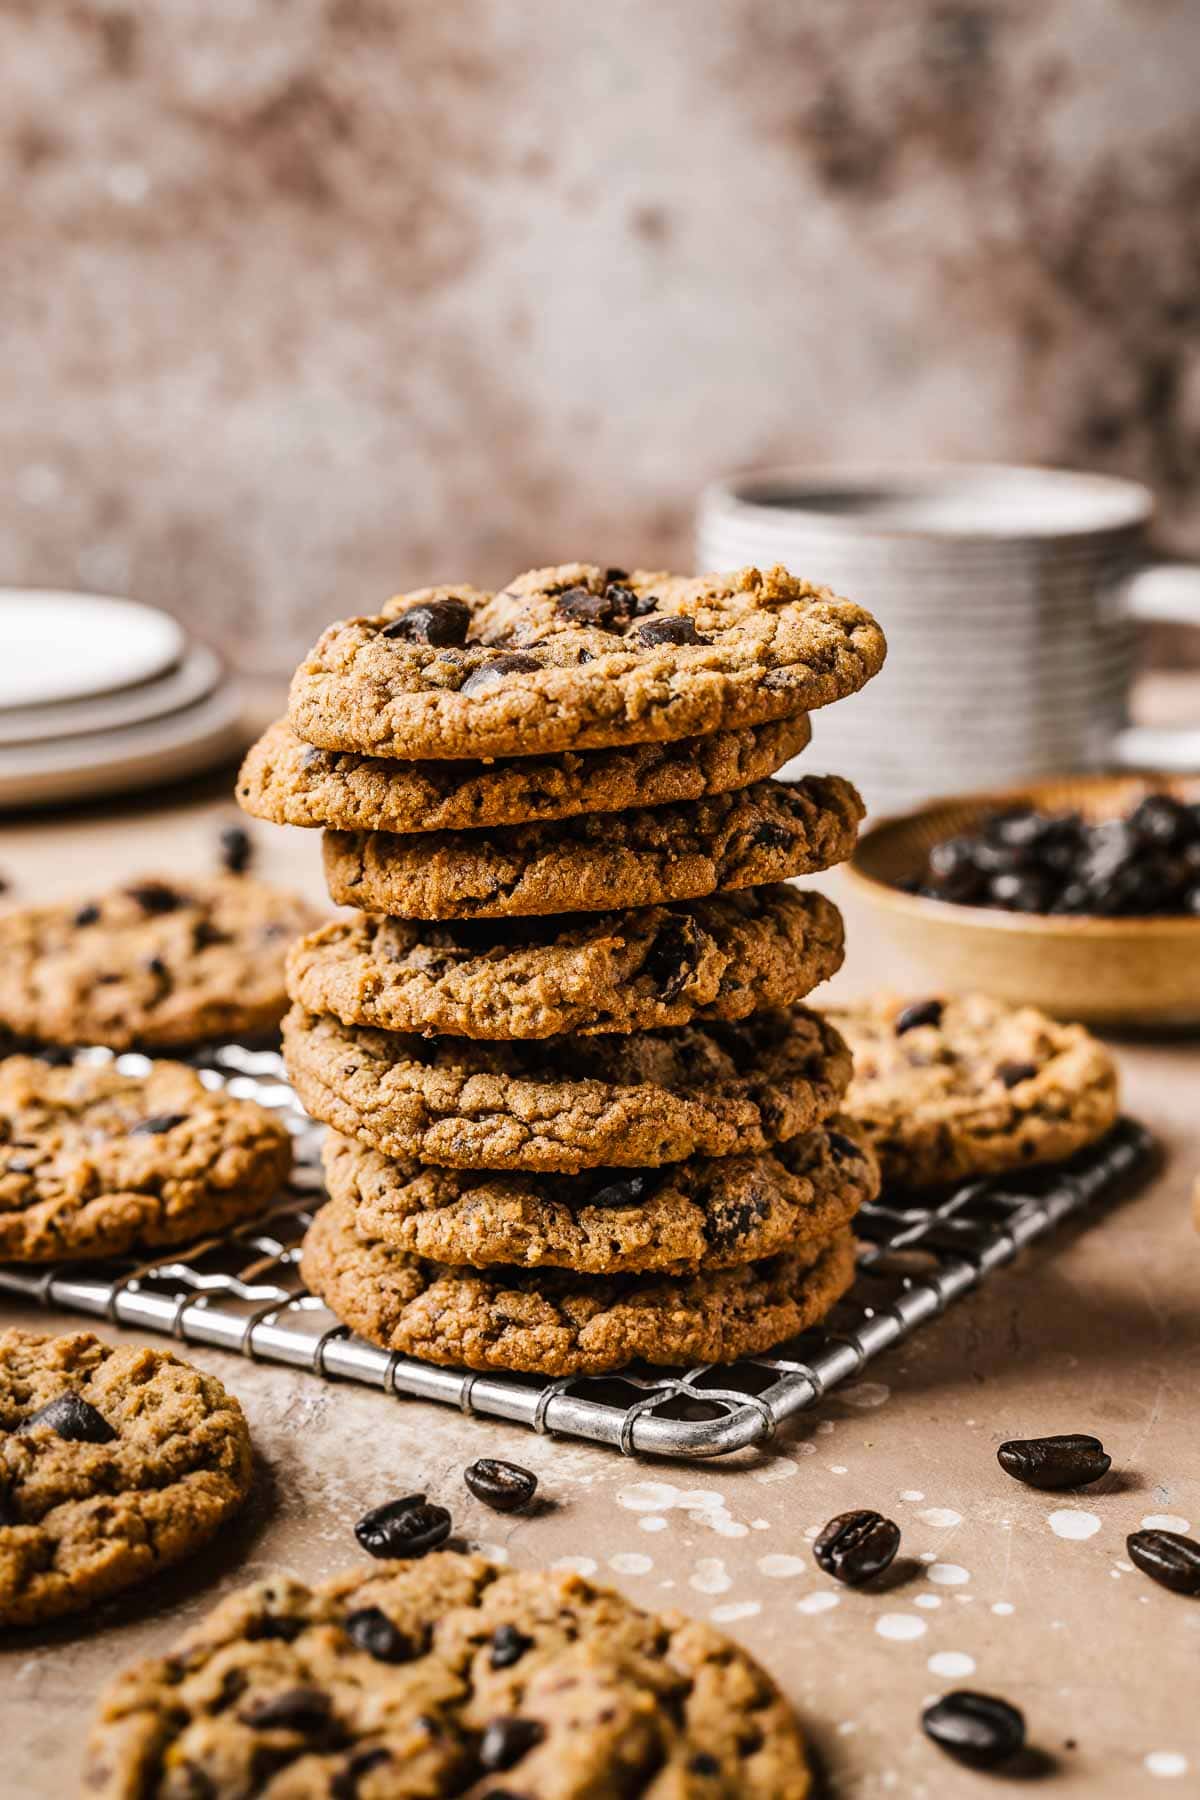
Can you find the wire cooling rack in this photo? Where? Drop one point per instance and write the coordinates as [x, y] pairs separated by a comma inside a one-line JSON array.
[[242, 1292]]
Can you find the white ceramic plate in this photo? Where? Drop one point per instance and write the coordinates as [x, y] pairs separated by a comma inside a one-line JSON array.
[[61, 646], [190, 681]]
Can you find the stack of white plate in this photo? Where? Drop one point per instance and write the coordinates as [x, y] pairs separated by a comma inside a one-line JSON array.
[[101, 696]]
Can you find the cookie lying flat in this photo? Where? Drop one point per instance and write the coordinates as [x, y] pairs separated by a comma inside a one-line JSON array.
[[711, 1213], [607, 972], [93, 1163], [579, 658], [445, 1676], [153, 963], [115, 1461], [945, 1090], [765, 833], [294, 783], [570, 1103], [555, 1322]]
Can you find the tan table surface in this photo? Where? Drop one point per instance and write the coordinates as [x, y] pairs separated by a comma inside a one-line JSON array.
[[1096, 1331]]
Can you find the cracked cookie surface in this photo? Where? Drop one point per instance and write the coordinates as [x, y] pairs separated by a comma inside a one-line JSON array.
[[712, 1213], [609, 972], [446, 1676], [137, 1459], [570, 1103], [93, 1162], [295, 783], [556, 1322], [647, 857], [155, 963], [580, 658], [946, 1090]]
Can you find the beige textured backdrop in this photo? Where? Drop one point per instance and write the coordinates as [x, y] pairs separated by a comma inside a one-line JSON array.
[[309, 300]]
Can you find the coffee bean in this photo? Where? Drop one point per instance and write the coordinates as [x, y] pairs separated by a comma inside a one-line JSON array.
[[505, 1487], [1167, 1557], [489, 673], [1072, 1460], [73, 1418], [856, 1546], [1013, 1073], [506, 1741], [155, 1126], [155, 897], [627, 1189], [672, 957], [673, 629], [236, 849], [407, 1527], [442, 623], [370, 1629], [87, 915], [978, 1729], [921, 1012], [508, 1646], [301, 1709]]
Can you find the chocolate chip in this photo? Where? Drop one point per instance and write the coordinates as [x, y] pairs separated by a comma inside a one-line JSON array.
[[978, 1729], [856, 1546], [673, 955], [843, 1148], [344, 1785], [370, 1629], [1071, 1460], [205, 934], [87, 915], [236, 849], [442, 623], [730, 1224], [73, 1418], [582, 607], [703, 1763], [195, 1783], [506, 1741], [407, 1527], [301, 1709], [1168, 1557], [508, 1646], [509, 663], [505, 1487], [921, 1012], [154, 965], [1013, 1073], [155, 1126], [615, 575], [674, 629], [275, 1625], [771, 835], [155, 897], [627, 1189]]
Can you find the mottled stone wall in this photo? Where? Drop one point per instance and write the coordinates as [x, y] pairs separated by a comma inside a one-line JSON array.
[[307, 300]]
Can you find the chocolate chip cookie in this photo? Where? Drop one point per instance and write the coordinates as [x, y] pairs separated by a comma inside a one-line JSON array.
[[570, 1103], [445, 1676], [93, 1162], [156, 963], [115, 1461], [705, 1213], [580, 658], [949, 1089], [606, 972], [646, 857], [295, 783], [556, 1322]]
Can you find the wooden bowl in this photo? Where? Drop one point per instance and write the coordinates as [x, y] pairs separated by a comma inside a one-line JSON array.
[[1143, 973]]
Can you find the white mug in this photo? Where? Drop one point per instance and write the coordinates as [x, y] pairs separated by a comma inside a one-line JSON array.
[[1010, 598]]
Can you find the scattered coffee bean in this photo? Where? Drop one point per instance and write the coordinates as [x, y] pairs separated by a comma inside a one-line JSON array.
[[1012, 1074], [87, 915], [441, 623], [673, 629], [73, 1418], [407, 1527], [1167, 1557], [155, 1126], [1072, 1460], [976, 1728], [236, 849], [506, 1741], [371, 1630], [513, 663], [508, 1646], [921, 1012], [155, 897], [504, 1486], [856, 1546], [301, 1709]]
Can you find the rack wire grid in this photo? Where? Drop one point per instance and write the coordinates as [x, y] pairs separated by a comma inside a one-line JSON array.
[[241, 1291]]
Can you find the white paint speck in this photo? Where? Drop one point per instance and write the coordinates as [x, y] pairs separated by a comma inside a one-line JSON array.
[[900, 1627], [497, 1553], [824, 1427], [576, 1565], [1166, 1762], [1003, 1608], [1073, 1522], [941, 1516], [647, 1496], [783, 1467], [927, 1556], [724, 1526], [866, 1394], [911, 1494], [760, 1524], [733, 1610], [948, 1574], [631, 1562], [651, 1522], [1165, 1522], [951, 1664], [710, 1576], [928, 1601], [780, 1566], [818, 1603]]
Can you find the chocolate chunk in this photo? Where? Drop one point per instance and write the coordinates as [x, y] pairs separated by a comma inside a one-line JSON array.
[[921, 1012], [1168, 1557], [344, 1785], [155, 1126], [672, 957], [582, 607], [730, 1224], [506, 1741], [236, 849], [301, 1709], [672, 629], [276, 1625], [629, 1188], [371, 1630], [155, 897], [1071, 1460], [73, 1418], [704, 1763], [771, 835], [87, 915], [1012, 1074], [407, 1527], [978, 1729], [442, 623], [505, 1487], [508, 1646], [856, 1546], [509, 663], [843, 1148]]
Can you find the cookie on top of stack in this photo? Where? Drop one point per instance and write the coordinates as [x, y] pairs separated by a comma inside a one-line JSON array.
[[579, 1112]]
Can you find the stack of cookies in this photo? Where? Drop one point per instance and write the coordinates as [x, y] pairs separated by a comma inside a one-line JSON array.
[[579, 1115]]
